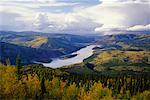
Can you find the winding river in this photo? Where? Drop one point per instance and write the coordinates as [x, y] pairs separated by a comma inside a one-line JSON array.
[[81, 55]]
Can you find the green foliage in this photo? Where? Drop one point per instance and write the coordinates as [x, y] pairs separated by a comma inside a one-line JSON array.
[[18, 65], [118, 61], [118, 57], [37, 85], [42, 85]]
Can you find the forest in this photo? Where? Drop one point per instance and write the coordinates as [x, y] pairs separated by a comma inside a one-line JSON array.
[[119, 70], [38, 82]]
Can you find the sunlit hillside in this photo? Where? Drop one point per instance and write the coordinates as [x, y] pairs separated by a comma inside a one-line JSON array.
[[37, 41], [33, 83], [122, 57]]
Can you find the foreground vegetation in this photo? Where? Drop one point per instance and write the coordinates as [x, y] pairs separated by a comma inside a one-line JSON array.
[[120, 69], [37, 82]]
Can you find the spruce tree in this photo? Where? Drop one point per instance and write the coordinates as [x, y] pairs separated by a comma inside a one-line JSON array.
[[43, 88], [18, 65]]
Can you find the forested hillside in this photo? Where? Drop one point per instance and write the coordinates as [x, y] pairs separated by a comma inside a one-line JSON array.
[[118, 69], [42, 47], [29, 55], [37, 82]]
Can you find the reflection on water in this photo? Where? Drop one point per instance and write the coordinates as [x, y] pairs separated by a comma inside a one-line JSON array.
[[81, 55]]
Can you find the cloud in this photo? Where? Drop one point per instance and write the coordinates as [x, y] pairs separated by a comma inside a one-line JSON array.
[[118, 16], [35, 3], [42, 22], [139, 28], [124, 1], [107, 30], [106, 17], [28, 0], [16, 18]]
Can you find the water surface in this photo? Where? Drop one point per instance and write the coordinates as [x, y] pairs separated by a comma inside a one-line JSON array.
[[81, 55]]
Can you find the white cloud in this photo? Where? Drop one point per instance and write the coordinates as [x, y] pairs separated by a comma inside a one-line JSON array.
[[139, 28], [124, 1], [110, 29], [108, 17], [28, 0], [117, 17], [35, 3]]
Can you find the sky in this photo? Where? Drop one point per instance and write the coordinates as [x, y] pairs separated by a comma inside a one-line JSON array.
[[75, 16]]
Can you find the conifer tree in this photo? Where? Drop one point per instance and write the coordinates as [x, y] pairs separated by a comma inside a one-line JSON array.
[[43, 88], [18, 65]]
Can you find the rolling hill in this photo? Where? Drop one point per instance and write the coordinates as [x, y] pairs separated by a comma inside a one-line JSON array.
[[39, 47], [27, 54], [123, 53], [126, 41]]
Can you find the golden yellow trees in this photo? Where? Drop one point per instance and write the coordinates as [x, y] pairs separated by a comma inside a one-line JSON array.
[[28, 87], [11, 87], [81, 93], [70, 93], [53, 88], [8, 81], [96, 92], [142, 96], [32, 84]]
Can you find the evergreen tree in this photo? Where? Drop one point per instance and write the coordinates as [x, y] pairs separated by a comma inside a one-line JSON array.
[[18, 65], [43, 88]]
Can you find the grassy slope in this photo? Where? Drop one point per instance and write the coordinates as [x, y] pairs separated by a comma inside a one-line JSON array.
[[37, 47], [122, 61], [127, 57], [128, 54], [37, 41]]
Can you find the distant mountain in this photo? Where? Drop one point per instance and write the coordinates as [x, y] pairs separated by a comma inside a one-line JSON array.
[[126, 41], [64, 42], [27, 54], [40, 47]]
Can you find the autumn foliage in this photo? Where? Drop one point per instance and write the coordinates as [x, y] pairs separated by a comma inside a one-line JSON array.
[[32, 86]]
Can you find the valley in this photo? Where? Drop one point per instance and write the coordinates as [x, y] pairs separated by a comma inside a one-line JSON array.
[[117, 66], [35, 47]]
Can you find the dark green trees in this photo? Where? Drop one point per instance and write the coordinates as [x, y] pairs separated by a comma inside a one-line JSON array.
[[19, 66], [42, 85]]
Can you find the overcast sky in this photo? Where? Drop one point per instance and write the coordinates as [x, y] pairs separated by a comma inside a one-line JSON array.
[[75, 16]]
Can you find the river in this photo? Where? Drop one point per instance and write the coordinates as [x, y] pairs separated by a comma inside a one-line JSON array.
[[81, 55]]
